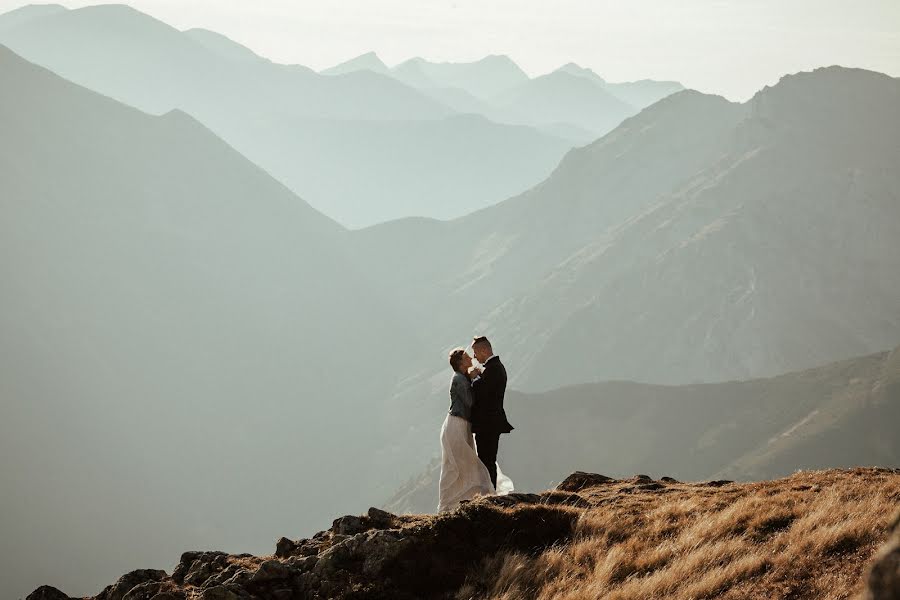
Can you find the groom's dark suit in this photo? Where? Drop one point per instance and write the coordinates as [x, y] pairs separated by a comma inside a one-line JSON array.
[[488, 416]]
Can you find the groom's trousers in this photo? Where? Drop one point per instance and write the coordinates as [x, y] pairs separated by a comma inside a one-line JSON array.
[[487, 445]]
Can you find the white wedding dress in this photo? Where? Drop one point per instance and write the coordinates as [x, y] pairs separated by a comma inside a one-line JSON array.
[[463, 475]]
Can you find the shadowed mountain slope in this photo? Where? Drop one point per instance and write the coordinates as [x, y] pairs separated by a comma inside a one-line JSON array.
[[782, 254], [759, 225], [700, 241]]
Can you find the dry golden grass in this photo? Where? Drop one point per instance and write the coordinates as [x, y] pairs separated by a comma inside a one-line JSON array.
[[806, 536]]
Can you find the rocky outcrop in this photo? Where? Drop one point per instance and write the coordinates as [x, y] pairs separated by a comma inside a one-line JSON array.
[[380, 555], [377, 555], [579, 480]]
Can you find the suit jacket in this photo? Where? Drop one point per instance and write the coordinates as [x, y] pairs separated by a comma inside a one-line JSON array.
[[488, 391]]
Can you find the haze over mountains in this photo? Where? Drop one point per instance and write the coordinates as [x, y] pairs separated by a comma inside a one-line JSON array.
[[190, 345], [766, 241], [403, 151], [176, 328], [572, 102]]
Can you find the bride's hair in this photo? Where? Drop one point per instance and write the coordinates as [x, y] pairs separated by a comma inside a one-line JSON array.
[[456, 356]]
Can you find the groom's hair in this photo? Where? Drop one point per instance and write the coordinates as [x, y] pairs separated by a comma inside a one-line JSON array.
[[481, 341], [456, 356]]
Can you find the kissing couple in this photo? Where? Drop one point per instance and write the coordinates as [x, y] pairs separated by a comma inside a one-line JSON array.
[[469, 466]]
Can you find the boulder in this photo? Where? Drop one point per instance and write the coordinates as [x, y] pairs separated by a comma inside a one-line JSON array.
[[240, 578], [130, 580], [272, 570], [200, 561], [47, 592], [717, 483], [348, 525], [379, 548], [303, 563], [579, 480], [285, 547], [218, 592], [381, 519], [202, 567]]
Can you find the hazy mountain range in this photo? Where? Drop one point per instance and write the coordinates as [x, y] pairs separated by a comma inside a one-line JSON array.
[[572, 102], [839, 415], [190, 345], [177, 326], [764, 242], [403, 151]]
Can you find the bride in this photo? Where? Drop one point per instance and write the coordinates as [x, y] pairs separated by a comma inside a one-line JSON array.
[[463, 475]]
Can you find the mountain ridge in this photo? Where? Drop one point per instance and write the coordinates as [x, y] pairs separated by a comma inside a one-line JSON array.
[[292, 121]]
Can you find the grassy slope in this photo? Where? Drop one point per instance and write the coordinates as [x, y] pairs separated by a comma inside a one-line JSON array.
[[806, 536]]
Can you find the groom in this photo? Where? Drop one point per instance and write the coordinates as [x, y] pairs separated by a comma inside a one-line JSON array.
[[488, 416]]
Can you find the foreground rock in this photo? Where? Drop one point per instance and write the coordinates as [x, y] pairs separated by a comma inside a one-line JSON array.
[[515, 540], [377, 555]]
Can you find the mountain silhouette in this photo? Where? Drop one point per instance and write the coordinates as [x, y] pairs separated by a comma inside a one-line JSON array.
[[364, 62], [173, 318], [483, 78], [640, 94], [349, 158], [563, 98], [20, 16]]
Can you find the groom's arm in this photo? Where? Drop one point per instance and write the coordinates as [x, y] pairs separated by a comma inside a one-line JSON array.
[[486, 383]]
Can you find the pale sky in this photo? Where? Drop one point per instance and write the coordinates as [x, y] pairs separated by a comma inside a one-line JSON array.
[[729, 47]]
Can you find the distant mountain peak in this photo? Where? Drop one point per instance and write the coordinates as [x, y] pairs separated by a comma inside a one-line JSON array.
[[121, 17], [36, 9], [830, 89], [499, 59], [20, 15], [364, 62], [579, 71], [829, 73]]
